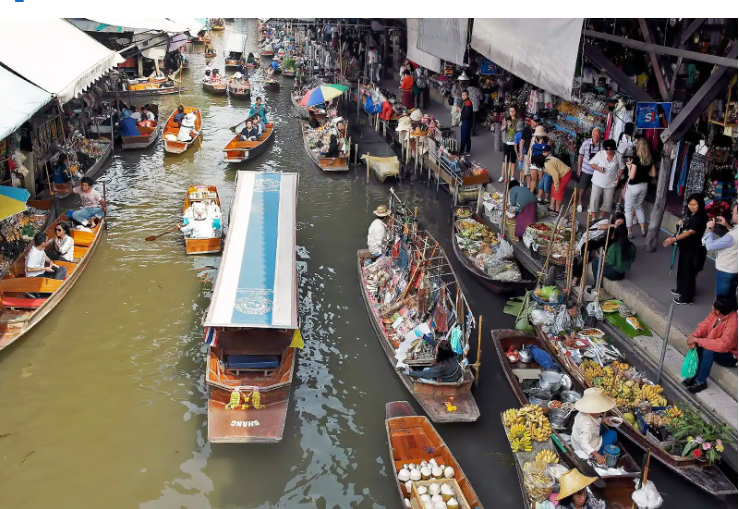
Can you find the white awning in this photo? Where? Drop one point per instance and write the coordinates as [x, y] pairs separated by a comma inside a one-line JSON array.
[[19, 100], [236, 43], [65, 60], [445, 38], [418, 56], [540, 51]]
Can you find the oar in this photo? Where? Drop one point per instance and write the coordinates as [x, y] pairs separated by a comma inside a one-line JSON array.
[[155, 237], [233, 129]]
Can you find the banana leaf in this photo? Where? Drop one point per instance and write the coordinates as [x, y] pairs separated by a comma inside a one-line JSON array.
[[624, 326]]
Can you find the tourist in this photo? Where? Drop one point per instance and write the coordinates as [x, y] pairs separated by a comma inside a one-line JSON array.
[[475, 95], [373, 58], [726, 259], [716, 341], [626, 144], [446, 367], [509, 150], [588, 149], [537, 144], [608, 167], [459, 86], [187, 130], [62, 247], [201, 227], [523, 202], [422, 83], [556, 175], [406, 85], [179, 115], [691, 252], [587, 434], [466, 119], [36, 260], [522, 150], [148, 115], [128, 126], [93, 206], [61, 174], [136, 114], [573, 493], [258, 109], [619, 257], [377, 232], [640, 169], [249, 132]]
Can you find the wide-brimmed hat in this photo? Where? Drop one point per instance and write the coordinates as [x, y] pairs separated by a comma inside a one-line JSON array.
[[199, 212], [416, 115], [238, 75], [594, 401], [189, 120], [573, 481], [539, 131], [463, 77], [404, 124], [382, 211]]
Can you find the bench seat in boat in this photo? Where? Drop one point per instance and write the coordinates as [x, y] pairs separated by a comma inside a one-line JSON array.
[[252, 362]]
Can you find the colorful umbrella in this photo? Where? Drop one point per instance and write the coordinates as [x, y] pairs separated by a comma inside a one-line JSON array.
[[12, 201], [322, 94]]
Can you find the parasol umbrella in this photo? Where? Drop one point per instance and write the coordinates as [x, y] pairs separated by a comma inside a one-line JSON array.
[[12, 201], [322, 94]]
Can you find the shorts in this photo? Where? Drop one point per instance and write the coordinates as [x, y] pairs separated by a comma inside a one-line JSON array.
[[509, 152], [545, 184], [585, 179]]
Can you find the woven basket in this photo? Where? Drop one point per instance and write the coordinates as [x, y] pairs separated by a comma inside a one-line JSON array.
[[510, 229]]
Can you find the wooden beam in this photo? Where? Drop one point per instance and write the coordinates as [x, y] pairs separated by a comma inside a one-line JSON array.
[[594, 55], [688, 33], [661, 81], [663, 50]]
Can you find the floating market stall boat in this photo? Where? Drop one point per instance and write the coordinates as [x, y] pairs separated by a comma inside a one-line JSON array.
[[406, 301], [171, 144], [267, 53], [208, 196], [91, 157], [310, 139], [235, 50], [201, 38], [296, 95], [631, 390], [252, 324], [468, 232], [413, 440], [149, 134], [382, 167], [144, 87], [237, 91], [210, 52], [238, 151], [20, 313], [524, 379], [218, 87]]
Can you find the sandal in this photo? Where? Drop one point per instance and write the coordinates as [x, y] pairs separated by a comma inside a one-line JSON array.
[[644, 233]]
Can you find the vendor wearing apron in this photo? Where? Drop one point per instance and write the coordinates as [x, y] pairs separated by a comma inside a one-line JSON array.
[[588, 432]]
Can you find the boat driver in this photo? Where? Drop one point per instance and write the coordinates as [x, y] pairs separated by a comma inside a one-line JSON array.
[[377, 232], [201, 226], [187, 130]]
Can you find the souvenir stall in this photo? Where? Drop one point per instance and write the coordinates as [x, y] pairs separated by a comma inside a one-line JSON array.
[[317, 140], [17, 231]]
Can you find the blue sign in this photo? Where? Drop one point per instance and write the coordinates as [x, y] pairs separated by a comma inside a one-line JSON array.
[[488, 67], [653, 115]]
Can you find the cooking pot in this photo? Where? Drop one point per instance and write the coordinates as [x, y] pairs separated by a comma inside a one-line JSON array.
[[541, 398], [558, 417], [525, 356], [550, 381], [569, 396]]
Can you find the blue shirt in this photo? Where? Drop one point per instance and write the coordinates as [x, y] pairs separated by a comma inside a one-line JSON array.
[[275, 65], [128, 127]]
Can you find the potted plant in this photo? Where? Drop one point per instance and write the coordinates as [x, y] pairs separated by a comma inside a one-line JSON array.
[[693, 436]]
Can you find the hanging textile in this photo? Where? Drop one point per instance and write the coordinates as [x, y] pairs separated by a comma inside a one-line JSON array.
[[673, 169], [700, 167]]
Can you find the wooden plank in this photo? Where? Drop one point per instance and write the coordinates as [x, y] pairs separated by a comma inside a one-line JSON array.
[[30, 284]]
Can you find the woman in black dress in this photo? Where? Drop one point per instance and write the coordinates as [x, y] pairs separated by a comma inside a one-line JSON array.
[[691, 252]]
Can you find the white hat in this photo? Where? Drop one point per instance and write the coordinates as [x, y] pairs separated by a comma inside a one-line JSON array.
[[275, 58], [463, 77], [404, 124], [189, 120], [593, 401], [199, 211], [238, 75], [416, 115]]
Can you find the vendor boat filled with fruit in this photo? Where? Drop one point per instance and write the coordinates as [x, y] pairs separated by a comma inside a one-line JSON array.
[[415, 303], [651, 422], [426, 471]]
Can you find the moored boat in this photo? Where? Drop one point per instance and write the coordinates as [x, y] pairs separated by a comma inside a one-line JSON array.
[[340, 163], [20, 313], [238, 151], [217, 24], [238, 92], [143, 87], [252, 324], [149, 134], [234, 50], [289, 73], [207, 196], [413, 439], [272, 84], [218, 87], [172, 144], [267, 53]]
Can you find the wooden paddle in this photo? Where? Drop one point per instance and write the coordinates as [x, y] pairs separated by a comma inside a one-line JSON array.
[[155, 237]]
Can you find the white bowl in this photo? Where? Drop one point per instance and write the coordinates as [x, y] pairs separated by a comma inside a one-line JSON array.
[[615, 422]]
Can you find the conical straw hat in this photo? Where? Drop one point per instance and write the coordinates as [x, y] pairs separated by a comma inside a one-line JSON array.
[[573, 481]]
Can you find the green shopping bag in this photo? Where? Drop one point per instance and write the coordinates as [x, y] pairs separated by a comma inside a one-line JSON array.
[[690, 364]]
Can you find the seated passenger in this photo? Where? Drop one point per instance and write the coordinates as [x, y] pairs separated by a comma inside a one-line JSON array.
[[179, 115], [36, 260], [201, 227], [93, 206], [187, 130], [249, 132], [62, 247], [446, 367], [128, 125]]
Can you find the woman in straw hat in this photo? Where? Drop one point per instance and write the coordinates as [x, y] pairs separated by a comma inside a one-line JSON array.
[[377, 231], [588, 433], [572, 490]]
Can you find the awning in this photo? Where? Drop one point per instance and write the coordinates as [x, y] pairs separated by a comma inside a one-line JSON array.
[[236, 43], [177, 41], [445, 38], [19, 100], [420, 57], [66, 60], [540, 51], [257, 280]]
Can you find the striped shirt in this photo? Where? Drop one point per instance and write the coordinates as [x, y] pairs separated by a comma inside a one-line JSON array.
[[588, 149]]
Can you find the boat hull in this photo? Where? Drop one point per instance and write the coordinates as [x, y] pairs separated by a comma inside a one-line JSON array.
[[273, 86], [203, 246], [215, 89], [238, 151], [327, 163], [143, 141]]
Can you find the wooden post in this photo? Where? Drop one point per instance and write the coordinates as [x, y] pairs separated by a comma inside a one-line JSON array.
[[368, 166], [658, 211], [570, 253], [479, 345], [504, 209], [584, 261]]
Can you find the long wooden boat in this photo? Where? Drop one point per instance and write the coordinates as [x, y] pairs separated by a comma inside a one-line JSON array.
[[215, 87], [325, 163], [151, 89], [289, 73], [238, 151], [239, 92], [252, 324], [200, 39], [296, 96], [496, 286], [148, 134], [210, 53], [272, 85], [413, 439], [432, 396], [614, 486], [267, 53], [209, 196], [172, 145], [19, 313], [707, 477]]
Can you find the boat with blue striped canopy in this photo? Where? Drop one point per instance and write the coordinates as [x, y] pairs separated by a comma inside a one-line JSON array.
[[252, 324]]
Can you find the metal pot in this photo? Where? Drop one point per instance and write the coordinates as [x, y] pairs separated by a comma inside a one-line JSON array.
[[525, 355], [569, 396], [550, 381], [541, 398], [558, 417]]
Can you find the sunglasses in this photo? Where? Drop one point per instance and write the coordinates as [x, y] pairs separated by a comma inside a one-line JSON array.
[[58, 229]]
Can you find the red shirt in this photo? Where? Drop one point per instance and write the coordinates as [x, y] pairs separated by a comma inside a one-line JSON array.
[[407, 83], [721, 337]]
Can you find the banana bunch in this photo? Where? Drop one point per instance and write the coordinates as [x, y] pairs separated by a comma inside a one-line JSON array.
[[541, 432], [530, 411], [246, 401], [519, 431], [548, 456], [521, 445], [233, 402], [256, 399], [651, 393], [511, 418], [672, 412], [591, 370]]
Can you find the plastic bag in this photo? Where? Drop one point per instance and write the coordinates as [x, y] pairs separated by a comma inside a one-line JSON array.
[[690, 364], [541, 317], [505, 250], [647, 497], [456, 116]]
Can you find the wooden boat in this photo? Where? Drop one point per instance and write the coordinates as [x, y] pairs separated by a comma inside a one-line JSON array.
[[217, 24], [709, 478], [252, 322], [19, 313], [289, 73], [210, 53], [412, 439], [432, 396], [239, 92], [148, 134], [296, 96], [613, 486], [200, 39], [209, 196], [496, 286], [238, 151], [235, 47], [255, 65], [145, 89], [272, 84], [267, 53], [215, 87], [171, 144], [382, 167], [325, 163]]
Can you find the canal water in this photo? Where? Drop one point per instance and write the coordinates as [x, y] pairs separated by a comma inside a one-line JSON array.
[[104, 403]]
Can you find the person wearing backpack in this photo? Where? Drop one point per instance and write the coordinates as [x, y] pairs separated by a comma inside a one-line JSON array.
[[422, 84]]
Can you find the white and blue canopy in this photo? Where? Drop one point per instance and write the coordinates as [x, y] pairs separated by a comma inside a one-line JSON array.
[[257, 280]]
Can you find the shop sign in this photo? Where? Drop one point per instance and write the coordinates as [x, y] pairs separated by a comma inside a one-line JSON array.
[[653, 115], [487, 67]]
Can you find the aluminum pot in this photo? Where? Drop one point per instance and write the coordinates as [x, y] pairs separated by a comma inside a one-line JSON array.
[[558, 417], [569, 396], [550, 381], [525, 356], [541, 398]]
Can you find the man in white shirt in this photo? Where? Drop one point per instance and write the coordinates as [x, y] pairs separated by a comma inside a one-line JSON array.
[[377, 231], [36, 260], [608, 166], [136, 115], [373, 60], [588, 149]]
